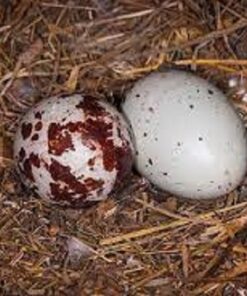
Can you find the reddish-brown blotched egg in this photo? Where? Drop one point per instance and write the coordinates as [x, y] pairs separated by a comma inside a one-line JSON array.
[[73, 150]]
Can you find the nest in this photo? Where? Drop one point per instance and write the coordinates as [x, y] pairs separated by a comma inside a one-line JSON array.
[[140, 242]]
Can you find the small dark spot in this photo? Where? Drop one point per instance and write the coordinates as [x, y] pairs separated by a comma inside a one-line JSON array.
[[210, 91], [119, 132], [212, 182], [191, 106], [179, 143], [91, 161], [151, 109], [35, 137], [145, 135], [156, 139], [230, 183], [199, 190], [227, 172], [165, 174], [38, 115], [38, 126], [137, 153], [138, 95], [198, 90], [26, 130], [219, 187], [200, 139], [150, 161], [22, 154], [63, 119]]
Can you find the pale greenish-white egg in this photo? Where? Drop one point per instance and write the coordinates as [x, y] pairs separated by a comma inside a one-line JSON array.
[[189, 139]]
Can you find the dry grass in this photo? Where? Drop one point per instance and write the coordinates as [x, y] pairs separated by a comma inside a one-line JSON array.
[[141, 242]]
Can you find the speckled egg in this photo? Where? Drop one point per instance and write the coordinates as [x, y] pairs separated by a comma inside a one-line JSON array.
[[189, 139], [73, 150]]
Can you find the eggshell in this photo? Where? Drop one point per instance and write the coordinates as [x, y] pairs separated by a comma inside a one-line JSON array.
[[73, 150], [189, 139]]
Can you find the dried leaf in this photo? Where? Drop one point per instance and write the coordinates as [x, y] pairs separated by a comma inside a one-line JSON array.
[[77, 249]]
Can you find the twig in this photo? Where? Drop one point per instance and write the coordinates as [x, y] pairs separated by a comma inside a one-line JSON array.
[[162, 227]]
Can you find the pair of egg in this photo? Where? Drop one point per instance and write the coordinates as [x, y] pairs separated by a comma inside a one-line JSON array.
[[180, 131]]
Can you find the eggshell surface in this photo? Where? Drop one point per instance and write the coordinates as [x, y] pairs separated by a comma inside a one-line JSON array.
[[73, 150], [189, 139]]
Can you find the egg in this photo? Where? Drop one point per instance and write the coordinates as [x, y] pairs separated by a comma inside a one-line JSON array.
[[189, 139], [73, 150]]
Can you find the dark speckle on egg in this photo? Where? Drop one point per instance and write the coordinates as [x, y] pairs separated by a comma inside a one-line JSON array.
[[35, 137], [38, 126], [22, 154], [227, 172], [26, 130], [38, 115], [91, 161]]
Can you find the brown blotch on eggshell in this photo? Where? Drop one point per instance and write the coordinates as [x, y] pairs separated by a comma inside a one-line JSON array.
[[59, 139]]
